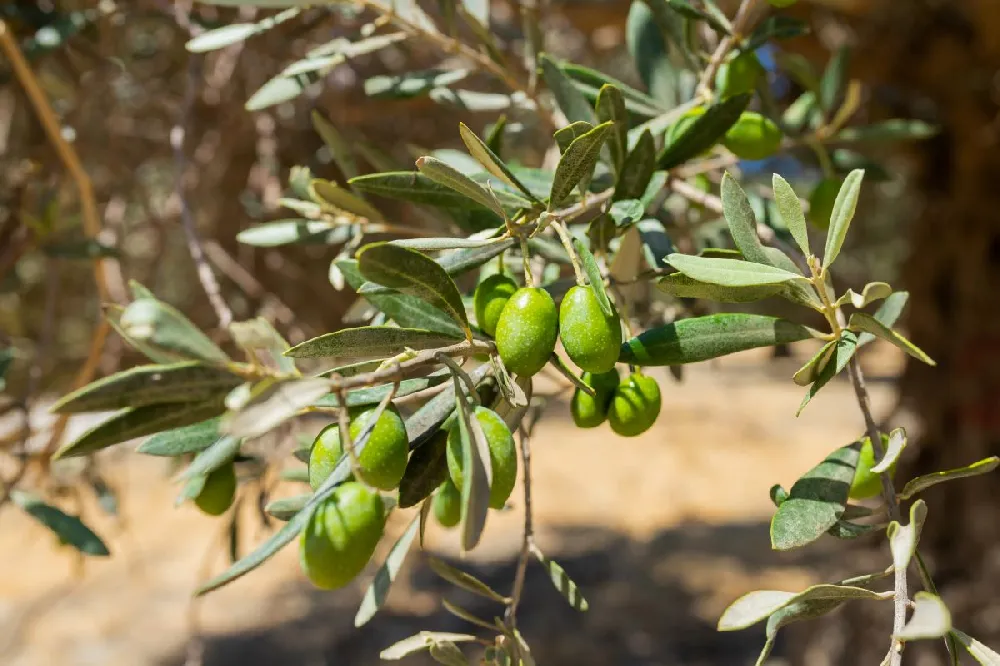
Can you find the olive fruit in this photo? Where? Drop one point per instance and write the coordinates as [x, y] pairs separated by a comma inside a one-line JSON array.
[[739, 74], [821, 201], [447, 504], [341, 535], [217, 494], [591, 339], [383, 459], [526, 332], [490, 298], [866, 483], [753, 137], [590, 411], [635, 405], [503, 455]]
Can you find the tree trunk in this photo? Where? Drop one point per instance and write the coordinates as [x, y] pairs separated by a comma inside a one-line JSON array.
[[948, 54]]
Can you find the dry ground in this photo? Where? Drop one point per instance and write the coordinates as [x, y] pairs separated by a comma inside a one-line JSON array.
[[661, 532]]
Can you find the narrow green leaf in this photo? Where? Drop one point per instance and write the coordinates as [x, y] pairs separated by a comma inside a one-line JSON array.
[[212, 40], [285, 232], [729, 272], [702, 338], [638, 169], [847, 344], [262, 339], [566, 135], [843, 213], [286, 507], [753, 607], [796, 612], [922, 483], [220, 453], [188, 439], [704, 132], [370, 341], [816, 501], [463, 614], [834, 79], [494, 138], [436, 244], [903, 539], [332, 196], [414, 274], [273, 404], [339, 148], [577, 163], [412, 84], [138, 422], [562, 582], [152, 322], [594, 277], [810, 372], [742, 221], [148, 385], [426, 469], [447, 653], [377, 592], [894, 448], [491, 162], [978, 650], [930, 619], [887, 314], [775, 27], [70, 529], [372, 395], [873, 291], [442, 172], [414, 187], [422, 641], [610, 107], [862, 321], [790, 211], [570, 100], [477, 472], [464, 580], [888, 130], [590, 82]]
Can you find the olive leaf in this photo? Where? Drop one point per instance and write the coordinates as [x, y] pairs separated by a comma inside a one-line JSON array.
[[414, 187], [922, 483], [566, 135], [464, 580], [272, 403], [477, 473], [577, 163], [422, 641], [562, 582], [154, 323], [371, 395], [894, 448], [888, 130], [369, 341], [755, 606], [843, 213], [903, 539], [742, 222], [295, 230], [704, 132], [178, 441], [862, 321], [426, 469], [930, 619], [447, 175], [594, 277], [809, 372], [378, 591], [730, 272], [570, 100], [790, 210], [286, 507], [491, 162], [638, 169], [610, 107], [220, 453], [258, 335], [339, 148], [702, 338], [887, 314], [846, 346], [978, 650], [324, 192], [873, 291], [70, 529]]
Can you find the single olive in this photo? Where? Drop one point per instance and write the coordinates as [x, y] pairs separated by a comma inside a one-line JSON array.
[[526, 332], [503, 455], [739, 74], [635, 405], [341, 535], [383, 459], [866, 483], [447, 504], [590, 411], [490, 298], [821, 202], [217, 494], [753, 137], [591, 339]]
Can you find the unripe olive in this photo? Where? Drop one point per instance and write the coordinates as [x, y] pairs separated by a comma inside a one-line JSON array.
[[526, 332], [753, 137], [217, 494], [490, 298], [341, 535], [503, 455], [591, 339], [866, 483], [447, 504], [635, 405], [590, 411], [383, 460], [739, 74], [821, 201]]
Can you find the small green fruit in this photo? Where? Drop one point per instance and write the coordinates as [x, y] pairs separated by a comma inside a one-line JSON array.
[[753, 137], [341, 535], [526, 332], [383, 459], [866, 483], [590, 411], [490, 298], [738, 75], [217, 494], [635, 405], [821, 202], [591, 339], [503, 455], [447, 504]]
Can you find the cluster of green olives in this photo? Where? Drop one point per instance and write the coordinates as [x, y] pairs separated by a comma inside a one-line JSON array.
[[630, 407]]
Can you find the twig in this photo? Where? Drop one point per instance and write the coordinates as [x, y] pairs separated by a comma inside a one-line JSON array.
[[529, 534], [88, 207], [209, 283], [743, 21]]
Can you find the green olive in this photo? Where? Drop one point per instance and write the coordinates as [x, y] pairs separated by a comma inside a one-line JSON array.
[[821, 202], [217, 494], [526, 332], [341, 535], [590, 411], [503, 455], [739, 74], [591, 339], [490, 298], [383, 460], [866, 483], [753, 137], [447, 504], [635, 405]]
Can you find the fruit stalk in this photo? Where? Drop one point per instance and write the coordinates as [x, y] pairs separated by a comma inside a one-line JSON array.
[[571, 251]]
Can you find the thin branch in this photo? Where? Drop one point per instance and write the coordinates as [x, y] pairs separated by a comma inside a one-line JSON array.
[[529, 533], [742, 23]]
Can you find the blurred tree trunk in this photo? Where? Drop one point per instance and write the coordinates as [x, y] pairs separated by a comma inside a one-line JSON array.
[[948, 53]]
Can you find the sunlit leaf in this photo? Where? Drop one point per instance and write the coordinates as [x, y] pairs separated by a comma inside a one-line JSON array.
[[274, 404], [638, 169], [843, 213], [790, 211], [442, 172], [463, 580], [188, 439], [422, 641], [562, 582], [377, 592], [219, 454], [847, 345], [286, 507], [577, 163], [490, 161], [978, 650], [285, 232], [704, 132], [152, 322], [729, 272], [930, 619], [864, 322], [922, 483], [903, 539], [753, 607]]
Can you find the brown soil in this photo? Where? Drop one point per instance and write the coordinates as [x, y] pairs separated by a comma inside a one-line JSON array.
[[661, 532]]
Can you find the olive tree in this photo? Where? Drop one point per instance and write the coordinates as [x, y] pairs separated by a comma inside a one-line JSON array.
[[594, 265]]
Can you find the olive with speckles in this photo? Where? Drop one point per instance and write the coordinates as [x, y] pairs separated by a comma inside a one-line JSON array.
[[503, 455], [527, 330], [635, 405], [590, 411], [490, 298], [591, 338], [383, 459], [447, 504]]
